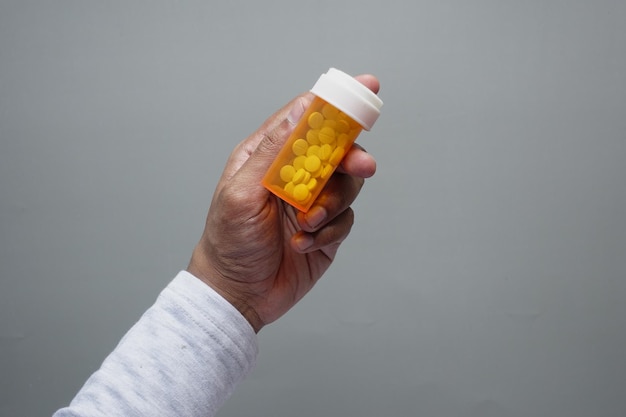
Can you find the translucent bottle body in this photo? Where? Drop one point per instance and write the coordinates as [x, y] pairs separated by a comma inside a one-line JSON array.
[[311, 154]]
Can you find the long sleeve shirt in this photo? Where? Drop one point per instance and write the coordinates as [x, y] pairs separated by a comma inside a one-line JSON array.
[[184, 357]]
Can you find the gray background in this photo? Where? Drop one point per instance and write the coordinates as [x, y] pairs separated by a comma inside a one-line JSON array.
[[486, 273]]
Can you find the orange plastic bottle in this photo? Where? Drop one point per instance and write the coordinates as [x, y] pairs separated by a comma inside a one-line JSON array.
[[342, 107]]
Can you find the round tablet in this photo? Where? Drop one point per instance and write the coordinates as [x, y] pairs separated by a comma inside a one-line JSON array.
[[287, 172], [301, 192], [327, 169], [336, 156], [299, 176], [313, 150], [329, 111], [299, 146], [330, 123], [325, 151], [312, 163], [315, 120], [289, 188], [343, 139], [298, 162], [342, 126], [318, 173], [312, 136], [327, 135]]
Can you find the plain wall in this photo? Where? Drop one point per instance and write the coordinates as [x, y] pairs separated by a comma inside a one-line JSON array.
[[485, 275]]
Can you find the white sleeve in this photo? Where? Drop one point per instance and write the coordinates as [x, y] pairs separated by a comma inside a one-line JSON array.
[[184, 357]]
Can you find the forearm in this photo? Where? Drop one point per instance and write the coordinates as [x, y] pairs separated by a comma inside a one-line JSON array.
[[184, 357]]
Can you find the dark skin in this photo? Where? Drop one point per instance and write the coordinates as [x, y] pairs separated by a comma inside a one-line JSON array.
[[259, 253]]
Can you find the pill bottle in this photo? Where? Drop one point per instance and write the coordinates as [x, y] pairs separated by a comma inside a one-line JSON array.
[[341, 109]]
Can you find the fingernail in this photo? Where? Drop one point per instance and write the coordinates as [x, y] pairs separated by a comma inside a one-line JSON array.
[[304, 241], [316, 216], [295, 113]]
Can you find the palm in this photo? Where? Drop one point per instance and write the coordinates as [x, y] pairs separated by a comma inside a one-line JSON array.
[[260, 254]]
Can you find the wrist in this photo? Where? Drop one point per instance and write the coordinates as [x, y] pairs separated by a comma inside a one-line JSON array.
[[243, 307], [238, 302]]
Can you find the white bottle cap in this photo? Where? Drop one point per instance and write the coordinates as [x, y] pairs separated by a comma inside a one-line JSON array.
[[349, 96]]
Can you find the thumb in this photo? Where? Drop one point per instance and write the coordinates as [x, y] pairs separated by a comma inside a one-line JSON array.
[[269, 142]]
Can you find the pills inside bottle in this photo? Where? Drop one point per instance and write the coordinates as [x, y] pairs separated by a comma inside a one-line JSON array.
[[341, 109]]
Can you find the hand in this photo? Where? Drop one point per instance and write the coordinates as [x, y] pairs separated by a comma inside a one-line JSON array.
[[259, 253]]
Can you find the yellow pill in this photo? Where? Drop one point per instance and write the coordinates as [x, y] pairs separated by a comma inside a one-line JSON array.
[[326, 171], [330, 123], [299, 176], [312, 137], [312, 184], [287, 172], [301, 192], [336, 156], [329, 111], [325, 151], [348, 119], [342, 126], [312, 163], [315, 120], [327, 135], [298, 162], [313, 150], [299, 147], [289, 188], [342, 140], [318, 173]]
